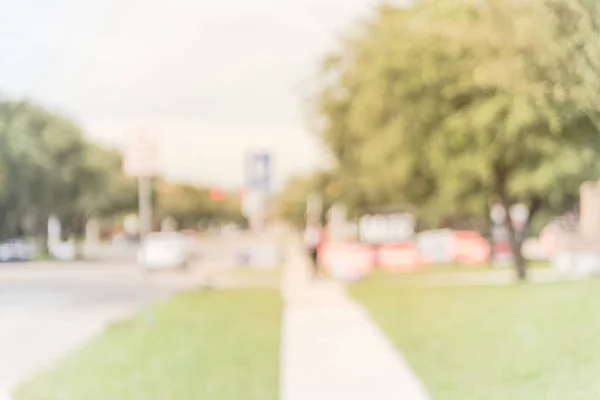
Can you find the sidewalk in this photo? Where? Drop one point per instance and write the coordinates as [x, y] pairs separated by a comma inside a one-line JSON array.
[[331, 350]]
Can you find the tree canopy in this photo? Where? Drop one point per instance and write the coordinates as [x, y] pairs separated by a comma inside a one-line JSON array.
[[48, 167], [450, 105]]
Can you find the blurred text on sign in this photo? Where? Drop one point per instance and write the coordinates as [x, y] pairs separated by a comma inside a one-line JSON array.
[[141, 157]]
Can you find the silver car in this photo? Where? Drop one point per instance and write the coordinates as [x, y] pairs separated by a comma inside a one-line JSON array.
[[165, 251]]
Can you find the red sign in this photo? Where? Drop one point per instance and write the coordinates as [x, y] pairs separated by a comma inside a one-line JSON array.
[[502, 248], [217, 195], [470, 248], [549, 239], [401, 257], [347, 260]]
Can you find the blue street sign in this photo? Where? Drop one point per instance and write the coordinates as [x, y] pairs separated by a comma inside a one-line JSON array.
[[258, 171]]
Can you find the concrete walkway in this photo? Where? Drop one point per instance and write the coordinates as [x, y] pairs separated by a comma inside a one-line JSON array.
[[331, 349]]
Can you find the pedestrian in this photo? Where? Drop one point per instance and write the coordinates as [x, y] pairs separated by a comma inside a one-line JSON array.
[[313, 236]]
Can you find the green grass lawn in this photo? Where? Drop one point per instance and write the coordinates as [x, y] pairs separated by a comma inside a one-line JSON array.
[[519, 342], [457, 268], [205, 345], [450, 272]]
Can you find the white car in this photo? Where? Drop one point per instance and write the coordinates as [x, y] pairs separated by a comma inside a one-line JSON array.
[[16, 250], [164, 251]]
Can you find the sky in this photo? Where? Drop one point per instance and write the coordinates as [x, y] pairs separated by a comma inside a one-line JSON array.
[[210, 79]]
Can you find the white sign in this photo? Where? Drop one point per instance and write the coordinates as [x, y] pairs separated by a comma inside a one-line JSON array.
[[92, 231], [253, 203], [131, 224], [498, 214], [141, 157], [54, 229], [436, 246], [386, 228], [519, 213], [254, 207]]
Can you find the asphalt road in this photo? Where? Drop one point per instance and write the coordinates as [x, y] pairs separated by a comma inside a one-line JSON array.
[[50, 308]]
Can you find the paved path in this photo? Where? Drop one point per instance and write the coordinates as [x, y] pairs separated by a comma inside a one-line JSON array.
[[331, 349]]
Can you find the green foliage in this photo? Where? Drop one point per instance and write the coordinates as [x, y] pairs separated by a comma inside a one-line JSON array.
[[492, 342], [450, 105], [168, 360], [42, 159], [292, 201], [47, 167], [189, 205]]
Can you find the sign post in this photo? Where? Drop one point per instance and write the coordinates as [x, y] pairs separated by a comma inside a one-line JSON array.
[[141, 162], [145, 206], [258, 182]]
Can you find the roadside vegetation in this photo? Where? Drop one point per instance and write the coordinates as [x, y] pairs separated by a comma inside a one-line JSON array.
[[207, 345], [517, 342]]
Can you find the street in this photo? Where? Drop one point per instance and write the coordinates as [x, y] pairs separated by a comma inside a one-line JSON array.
[[49, 308]]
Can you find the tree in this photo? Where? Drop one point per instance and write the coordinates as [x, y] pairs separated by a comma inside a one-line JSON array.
[[189, 204], [48, 168], [100, 189], [292, 201], [451, 105]]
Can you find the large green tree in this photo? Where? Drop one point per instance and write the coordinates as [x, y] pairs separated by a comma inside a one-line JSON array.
[[49, 168], [451, 105]]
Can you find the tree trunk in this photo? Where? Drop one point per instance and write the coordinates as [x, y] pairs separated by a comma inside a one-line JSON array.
[[516, 244], [516, 247], [516, 239], [41, 229]]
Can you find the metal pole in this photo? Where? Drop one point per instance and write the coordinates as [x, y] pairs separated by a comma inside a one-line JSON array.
[[145, 206], [145, 227]]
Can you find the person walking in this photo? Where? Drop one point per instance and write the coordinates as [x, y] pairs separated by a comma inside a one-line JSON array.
[[313, 237]]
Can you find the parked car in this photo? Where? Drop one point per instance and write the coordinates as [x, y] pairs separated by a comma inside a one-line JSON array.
[[165, 250], [16, 250]]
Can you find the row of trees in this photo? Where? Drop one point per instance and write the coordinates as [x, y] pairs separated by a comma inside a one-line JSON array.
[[191, 205], [449, 106], [47, 167]]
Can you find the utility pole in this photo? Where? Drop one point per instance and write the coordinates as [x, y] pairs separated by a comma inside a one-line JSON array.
[[141, 162], [145, 227], [145, 206]]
